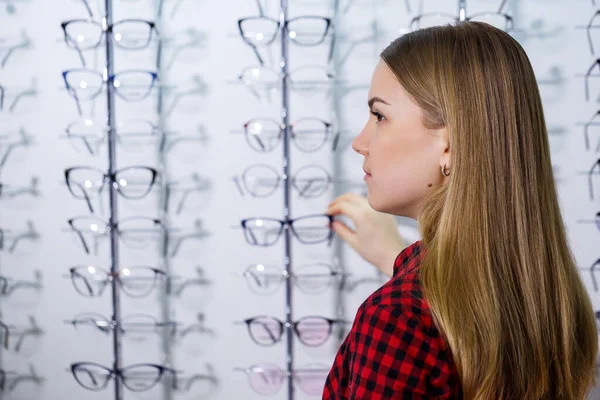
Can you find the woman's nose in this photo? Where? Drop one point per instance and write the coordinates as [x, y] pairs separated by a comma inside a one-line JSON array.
[[360, 143]]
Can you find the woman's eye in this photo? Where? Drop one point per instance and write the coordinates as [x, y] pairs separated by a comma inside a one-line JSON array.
[[378, 116]]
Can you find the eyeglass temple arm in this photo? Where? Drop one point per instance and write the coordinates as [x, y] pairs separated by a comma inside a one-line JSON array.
[[87, 283], [590, 180], [83, 242], [271, 334], [589, 33], [87, 198], [4, 328], [586, 133], [88, 146], [90, 374], [88, 8], [159, 54], [9, 150], [257, 54], [592, 268], [304, 189], [260, 142], [261, 12], [501, 7], [332, 45], [335, 142], [81, 57], [4, 286], [30, 234], [77, 103], [182, 202], [253, 277], [587, 79], [22, 339], [24, 44], [236, 180], [27, 92]]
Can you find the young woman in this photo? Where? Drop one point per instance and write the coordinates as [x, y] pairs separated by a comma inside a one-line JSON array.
[[489, 304]]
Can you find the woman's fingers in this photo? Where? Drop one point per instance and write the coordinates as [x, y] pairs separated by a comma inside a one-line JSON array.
[[345, 232], [350, 197], [345, 208]]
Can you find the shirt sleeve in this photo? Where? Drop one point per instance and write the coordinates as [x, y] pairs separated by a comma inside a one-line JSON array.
[[393, 356]]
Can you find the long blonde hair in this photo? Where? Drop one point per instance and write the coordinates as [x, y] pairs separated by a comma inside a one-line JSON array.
[[498, 273]]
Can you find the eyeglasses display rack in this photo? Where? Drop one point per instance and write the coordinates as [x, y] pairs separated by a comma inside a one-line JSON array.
[[287, 206], [107, 21]]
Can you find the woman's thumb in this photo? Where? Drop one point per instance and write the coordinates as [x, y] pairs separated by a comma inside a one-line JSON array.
[[345, 232]]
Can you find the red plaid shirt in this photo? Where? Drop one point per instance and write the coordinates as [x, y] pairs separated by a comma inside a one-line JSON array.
[[393, 350]]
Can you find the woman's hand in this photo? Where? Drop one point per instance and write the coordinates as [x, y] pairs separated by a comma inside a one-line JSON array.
[[375, 237]]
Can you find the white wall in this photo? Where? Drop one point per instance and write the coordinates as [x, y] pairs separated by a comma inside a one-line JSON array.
[[545, 28]]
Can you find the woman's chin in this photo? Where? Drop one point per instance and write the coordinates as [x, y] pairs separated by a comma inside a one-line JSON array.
[[387, 205], [376, 202]]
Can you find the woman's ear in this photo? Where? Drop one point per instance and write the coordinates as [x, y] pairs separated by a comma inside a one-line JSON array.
[[444, 147]]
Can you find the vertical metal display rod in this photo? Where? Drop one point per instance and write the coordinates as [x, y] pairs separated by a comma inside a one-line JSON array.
[[285, 119], [114, 249], [166, 338], [462, 10], [336, 104]]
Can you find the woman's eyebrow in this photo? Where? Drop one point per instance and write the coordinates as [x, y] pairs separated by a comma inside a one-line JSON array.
[[375, 99]]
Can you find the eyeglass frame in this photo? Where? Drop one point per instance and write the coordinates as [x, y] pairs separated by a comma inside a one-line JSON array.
[[106, 80], [286, 223], [112, 180], [328, 28], [509, 19], [109, 29], [293, 136], [108, 226], [333, 272], [251, 370], [110, 276], [242, 178], [252, 86], [156, 131], [112, 374], [112, 324], [294, 326]]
